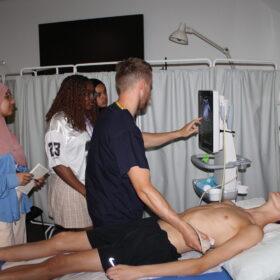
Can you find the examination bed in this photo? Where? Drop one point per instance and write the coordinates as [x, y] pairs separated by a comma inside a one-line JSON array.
[[260, 262], [218, 275]]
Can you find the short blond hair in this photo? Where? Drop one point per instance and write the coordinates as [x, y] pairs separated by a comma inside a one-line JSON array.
[[130, 71]]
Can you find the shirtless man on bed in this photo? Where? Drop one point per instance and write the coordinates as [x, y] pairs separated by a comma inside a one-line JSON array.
[[146, 247]]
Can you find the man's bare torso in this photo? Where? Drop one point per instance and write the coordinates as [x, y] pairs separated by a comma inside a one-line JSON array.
[[221, 221]]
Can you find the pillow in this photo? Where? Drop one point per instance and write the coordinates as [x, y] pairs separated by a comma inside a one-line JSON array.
[[260, 262], [250, 203]]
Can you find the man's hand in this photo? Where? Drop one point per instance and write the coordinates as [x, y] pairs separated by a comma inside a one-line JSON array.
[[122, 272], [191, 238], [190, 128], [24, 178], [156, 139]]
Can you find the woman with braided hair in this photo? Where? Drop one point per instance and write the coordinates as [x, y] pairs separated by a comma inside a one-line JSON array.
[[71, 119]]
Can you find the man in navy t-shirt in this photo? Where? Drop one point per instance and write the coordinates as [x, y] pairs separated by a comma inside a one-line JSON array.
[[117, 174], [116, 146]]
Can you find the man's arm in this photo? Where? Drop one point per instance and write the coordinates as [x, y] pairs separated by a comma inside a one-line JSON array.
[[140, 179], [157, 139], [244, 239]]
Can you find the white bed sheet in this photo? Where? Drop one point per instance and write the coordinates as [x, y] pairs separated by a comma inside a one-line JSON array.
[[99, 275], [72, 276]]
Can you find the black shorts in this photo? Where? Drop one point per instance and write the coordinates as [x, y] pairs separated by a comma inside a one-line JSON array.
[[134, 243]]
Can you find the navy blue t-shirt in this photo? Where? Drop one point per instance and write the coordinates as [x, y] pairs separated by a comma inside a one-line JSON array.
[[115, 147]]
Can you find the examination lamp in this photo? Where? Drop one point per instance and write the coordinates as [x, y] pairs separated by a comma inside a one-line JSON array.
[[180, 36]]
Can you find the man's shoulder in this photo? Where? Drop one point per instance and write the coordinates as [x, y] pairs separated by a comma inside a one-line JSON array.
[[114, 119], [229, 202], [248, 236], [255, 229]]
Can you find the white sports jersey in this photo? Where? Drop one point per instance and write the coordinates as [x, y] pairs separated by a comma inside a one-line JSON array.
[[66, 146]]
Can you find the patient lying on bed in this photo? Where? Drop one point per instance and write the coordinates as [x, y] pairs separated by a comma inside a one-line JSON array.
[[147, 247]]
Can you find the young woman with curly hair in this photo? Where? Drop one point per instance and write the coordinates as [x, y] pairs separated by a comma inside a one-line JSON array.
[[71, 118]]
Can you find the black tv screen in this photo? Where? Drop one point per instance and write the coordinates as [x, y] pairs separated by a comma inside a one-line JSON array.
[[91, 40]]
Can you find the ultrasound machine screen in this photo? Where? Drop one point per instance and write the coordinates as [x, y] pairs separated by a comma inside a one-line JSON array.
[[208, 109]]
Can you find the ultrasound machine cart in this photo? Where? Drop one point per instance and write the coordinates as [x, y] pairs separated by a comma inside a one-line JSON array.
[[223, 159]]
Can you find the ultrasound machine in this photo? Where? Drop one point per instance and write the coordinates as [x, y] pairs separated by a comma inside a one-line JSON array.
[[216, 139]]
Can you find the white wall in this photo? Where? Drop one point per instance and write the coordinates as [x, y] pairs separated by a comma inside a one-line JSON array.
[[250, 28]]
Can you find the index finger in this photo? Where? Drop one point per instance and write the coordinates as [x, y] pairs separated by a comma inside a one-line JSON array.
[[197, 121]]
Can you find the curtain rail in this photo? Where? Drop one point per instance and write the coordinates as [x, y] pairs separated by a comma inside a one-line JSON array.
[[197, 61], [152, 62], [35, 69], [157, 62], [244, 62]]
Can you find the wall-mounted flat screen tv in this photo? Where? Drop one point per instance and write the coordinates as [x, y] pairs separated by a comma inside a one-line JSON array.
[[91, 40]]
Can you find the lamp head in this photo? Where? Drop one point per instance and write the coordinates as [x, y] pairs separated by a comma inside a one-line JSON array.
[[180, 35]]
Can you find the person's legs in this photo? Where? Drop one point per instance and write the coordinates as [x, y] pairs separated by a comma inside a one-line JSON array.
[[6, 233], [60, 243], [19, 229], [87, 261]]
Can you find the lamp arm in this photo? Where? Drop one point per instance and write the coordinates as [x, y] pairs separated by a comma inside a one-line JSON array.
[[225, 51]]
